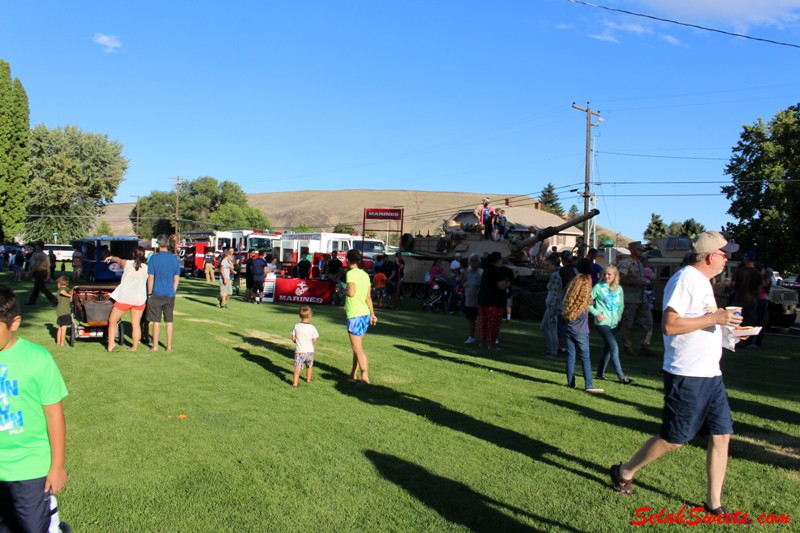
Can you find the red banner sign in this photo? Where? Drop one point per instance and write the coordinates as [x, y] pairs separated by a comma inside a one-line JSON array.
[[379, 213], [303, 291]]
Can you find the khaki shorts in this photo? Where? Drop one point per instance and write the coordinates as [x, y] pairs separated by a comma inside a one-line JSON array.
[[225, 288]]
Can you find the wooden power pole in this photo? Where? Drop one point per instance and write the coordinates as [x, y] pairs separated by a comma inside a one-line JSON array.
[[587, 187], [178, 180]]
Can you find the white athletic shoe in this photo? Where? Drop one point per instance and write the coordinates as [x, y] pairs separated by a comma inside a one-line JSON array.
[[469, 340]]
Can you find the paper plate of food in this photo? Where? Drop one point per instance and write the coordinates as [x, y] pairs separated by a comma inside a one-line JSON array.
[[745, 331]]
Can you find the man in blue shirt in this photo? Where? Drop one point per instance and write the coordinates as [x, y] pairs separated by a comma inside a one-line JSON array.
[[259, 274], [163, 275]]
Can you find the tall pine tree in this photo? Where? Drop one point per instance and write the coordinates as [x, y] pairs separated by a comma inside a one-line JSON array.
[[14, 153], [550, 202]]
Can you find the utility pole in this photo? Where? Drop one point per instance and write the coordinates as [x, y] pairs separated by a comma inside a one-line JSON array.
[[178, 180], [137, 212], [586, 192]]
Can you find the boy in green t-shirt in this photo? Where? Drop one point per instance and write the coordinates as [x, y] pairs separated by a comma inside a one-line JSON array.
[[32, 426]]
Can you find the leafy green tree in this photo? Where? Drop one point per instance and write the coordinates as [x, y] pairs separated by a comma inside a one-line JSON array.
[[604, 238], [74, 175], [573, 212], [691, 228], [104, 228], [343, 228], [14, 153], [549, 199], [301, 228], [656, 229], [688, 228], [204, 204], [765, 189]]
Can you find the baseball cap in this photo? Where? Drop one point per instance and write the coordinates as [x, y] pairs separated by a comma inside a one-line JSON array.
[[750, 255], [709, 241]]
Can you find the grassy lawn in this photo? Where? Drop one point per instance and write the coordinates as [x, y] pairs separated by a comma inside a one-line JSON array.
[[448, 438]]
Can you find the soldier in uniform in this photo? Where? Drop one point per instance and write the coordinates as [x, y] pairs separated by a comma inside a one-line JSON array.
[[637, 309]]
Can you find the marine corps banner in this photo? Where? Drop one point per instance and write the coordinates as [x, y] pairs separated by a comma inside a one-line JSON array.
[[303, 291]]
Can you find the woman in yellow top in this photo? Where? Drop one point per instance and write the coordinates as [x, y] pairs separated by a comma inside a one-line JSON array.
[[360, 313]]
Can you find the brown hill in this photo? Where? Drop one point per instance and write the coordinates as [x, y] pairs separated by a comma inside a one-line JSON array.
[[322, 210]]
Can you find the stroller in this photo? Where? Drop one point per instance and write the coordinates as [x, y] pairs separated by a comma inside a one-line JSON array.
[[445, 297], [91, 307]]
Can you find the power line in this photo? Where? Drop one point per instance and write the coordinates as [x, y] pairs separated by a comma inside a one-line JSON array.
[[687, 24], [666, 156]]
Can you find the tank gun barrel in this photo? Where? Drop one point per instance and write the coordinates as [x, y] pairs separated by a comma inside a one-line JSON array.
[[549, 231]]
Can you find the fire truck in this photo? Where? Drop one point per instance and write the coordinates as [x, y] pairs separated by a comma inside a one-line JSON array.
[[198, 243], [291, 247]]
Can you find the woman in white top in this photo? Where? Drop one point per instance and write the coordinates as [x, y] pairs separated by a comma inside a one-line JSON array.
[[130, 295]]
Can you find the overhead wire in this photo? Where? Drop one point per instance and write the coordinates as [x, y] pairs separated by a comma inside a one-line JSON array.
[[686, 24]]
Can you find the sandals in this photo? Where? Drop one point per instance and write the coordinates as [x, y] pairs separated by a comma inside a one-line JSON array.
[[618, 483]]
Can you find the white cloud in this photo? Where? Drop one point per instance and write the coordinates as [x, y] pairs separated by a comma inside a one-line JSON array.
[[607, 35], [739, 14], [110, 43], [564, 26], [671, 40], [638, 29]]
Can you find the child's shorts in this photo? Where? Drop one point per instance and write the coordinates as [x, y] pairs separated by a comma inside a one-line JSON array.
[[64, 320], [303, 358], [379, 292], [24, 505]]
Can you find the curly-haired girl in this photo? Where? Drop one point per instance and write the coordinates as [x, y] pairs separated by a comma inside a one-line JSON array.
[[576, 308]]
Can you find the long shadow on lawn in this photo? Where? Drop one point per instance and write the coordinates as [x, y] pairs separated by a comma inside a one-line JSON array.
[[281, 372], [454, 501], [738, 448], [438, 414], [743, 429], [212, 303], [438, 355]]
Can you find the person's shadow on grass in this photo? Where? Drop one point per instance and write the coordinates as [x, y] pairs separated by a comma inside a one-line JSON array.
[[438, 355], [454, 501], [738, 447], [440, 415], [204, 301], [280, 371]]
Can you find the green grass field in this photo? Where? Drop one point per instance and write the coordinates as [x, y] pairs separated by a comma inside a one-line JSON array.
[[447, 439]]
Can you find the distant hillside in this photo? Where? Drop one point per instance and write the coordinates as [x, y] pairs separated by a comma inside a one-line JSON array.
[[322, 210]]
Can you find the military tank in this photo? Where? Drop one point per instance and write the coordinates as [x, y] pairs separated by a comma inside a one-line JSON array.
[[528, 292]]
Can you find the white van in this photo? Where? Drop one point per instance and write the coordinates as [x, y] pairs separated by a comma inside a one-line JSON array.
[[63, 252]]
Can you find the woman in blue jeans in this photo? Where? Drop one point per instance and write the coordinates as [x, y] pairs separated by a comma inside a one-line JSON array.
[[607, 311], [577, 305]]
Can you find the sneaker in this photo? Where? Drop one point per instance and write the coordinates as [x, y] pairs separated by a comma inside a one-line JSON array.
[[497, 342], [601, 378], [625, 486], [595, 390], [469, 340], [625, 380]]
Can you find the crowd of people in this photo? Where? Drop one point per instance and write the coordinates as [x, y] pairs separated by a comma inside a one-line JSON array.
[[579, 293]]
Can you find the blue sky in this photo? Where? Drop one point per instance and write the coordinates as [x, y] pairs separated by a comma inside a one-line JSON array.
[[431, 95]]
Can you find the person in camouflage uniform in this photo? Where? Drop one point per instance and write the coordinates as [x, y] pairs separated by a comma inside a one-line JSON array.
[[631, 275]]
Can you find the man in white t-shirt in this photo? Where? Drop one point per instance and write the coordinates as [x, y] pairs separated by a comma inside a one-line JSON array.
[[694, 394]]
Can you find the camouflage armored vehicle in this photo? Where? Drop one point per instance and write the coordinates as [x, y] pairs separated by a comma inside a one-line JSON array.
[[673, 250]]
